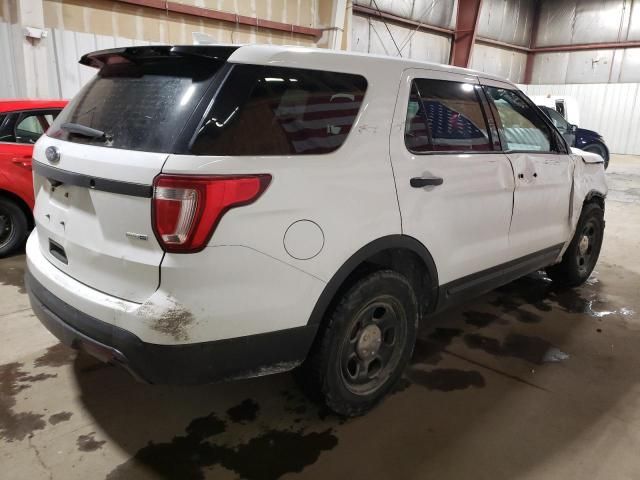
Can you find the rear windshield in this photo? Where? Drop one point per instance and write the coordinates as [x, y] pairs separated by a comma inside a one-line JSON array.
[[280, 111], [139, 106]]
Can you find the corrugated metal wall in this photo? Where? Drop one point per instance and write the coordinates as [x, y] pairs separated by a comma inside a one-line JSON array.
[[499, 61], [10, 59], [64, 50], [507, 21], [496, 22], [440, 13], [75, 28], [613, 110], [571, 22], [370, 35]]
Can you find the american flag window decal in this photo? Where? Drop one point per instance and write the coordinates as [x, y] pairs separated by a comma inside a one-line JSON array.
[[281, 111], [445, 116]]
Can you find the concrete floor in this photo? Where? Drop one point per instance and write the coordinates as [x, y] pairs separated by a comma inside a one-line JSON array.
[[526, 382]]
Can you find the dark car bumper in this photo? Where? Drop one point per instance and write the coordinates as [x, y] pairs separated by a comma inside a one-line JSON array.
[[193, 363]]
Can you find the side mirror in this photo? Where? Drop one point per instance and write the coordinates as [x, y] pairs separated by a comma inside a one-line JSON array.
[[573, 128]]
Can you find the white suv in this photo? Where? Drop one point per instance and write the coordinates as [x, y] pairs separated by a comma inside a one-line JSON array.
[[214, 212]]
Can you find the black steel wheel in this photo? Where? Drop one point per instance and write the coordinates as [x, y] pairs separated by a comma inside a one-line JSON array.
[[14, 227], [582, 254], [363, 345], [374, 345]]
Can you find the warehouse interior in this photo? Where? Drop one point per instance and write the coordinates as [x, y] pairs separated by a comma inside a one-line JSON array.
[[525, 382]]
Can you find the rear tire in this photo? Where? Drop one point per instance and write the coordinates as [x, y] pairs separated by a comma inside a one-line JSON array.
[[364, 345], [582, 254], [14, 227], [595, 148]]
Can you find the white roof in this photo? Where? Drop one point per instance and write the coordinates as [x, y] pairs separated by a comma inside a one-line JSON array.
[[325, 59]]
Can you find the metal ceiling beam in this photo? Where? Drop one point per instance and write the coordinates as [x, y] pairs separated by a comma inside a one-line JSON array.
[[588, 46], [464, 35]]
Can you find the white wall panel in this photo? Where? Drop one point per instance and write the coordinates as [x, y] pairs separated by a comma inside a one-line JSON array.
[[507, 21], [65, 49], [440, 13], [589, 66], [611, 109], [499, 61], [429, 47], [9, 81], [388, 39], [371, 35], [360, 33]]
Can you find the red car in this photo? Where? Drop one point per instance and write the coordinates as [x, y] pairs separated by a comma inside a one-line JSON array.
[[21, 124]]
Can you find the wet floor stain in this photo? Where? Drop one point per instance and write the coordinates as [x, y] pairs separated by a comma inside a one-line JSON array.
[[244, 412], [55, 356], [446, 379], [268, 455], [429, 350], [88, 443], [528, 348], [481, 319], [16, 426], [59, 417], [12, 273]]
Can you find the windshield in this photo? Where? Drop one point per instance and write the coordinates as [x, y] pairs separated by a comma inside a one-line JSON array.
[[139, 106]]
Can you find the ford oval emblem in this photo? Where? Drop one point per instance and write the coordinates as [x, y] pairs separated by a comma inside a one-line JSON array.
[[52, 154]]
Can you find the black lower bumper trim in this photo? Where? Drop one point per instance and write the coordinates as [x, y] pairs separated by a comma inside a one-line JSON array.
[[193, 363]]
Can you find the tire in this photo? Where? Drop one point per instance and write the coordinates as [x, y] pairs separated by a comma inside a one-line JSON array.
[[600, 150], [364, 344], [14, 227], [581, 256]]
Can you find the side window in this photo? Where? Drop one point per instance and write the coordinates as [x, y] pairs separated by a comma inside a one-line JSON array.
[[5, 136], [445, 116], [31, 125], [286, 111], [523, 128], [558, 120]]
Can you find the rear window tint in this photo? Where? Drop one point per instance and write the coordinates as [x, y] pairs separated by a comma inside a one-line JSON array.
[[140, 106], [280, 111]]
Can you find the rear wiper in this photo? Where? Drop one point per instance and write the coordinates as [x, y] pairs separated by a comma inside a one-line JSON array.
[[83, 130]]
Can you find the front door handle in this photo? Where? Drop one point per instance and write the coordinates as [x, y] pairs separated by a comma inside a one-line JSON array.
[[419, 182]]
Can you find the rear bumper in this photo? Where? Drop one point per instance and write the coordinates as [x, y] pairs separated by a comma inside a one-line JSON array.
[[191, 363]]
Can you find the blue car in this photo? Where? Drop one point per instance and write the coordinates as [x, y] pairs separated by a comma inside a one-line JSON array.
[[581, 138]]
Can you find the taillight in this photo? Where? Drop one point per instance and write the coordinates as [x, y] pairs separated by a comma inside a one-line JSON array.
[[187, 208]]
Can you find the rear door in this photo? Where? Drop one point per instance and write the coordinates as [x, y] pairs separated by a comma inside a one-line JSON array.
[[93, 190], [19, 131], [543, 171], [454, 186]]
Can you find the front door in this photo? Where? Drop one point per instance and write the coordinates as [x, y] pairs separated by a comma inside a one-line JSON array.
[[543, 171], [454, 185]]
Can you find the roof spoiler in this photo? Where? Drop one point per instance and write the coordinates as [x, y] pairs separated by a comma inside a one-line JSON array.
[[114, 56]]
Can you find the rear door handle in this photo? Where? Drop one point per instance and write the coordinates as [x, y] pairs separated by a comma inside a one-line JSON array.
[[23, 161], [419, 182]]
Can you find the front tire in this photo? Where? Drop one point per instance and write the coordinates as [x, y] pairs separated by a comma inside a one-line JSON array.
[[582, 254], [365, 344], [14, 227]]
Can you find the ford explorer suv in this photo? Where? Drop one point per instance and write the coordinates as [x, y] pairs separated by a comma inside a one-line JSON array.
[[206, 213], [22, 122], [584, 139]]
